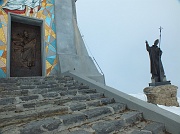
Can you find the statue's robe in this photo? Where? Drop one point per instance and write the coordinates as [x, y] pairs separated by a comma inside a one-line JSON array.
[[157, 69]]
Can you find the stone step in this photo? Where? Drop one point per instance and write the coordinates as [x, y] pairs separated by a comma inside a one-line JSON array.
[[58, 123], [151, 128], [62, 105], [95, 100], [17, 118], [48, 91]]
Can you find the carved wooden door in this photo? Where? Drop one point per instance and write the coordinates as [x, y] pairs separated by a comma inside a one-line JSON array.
[[25, 52]]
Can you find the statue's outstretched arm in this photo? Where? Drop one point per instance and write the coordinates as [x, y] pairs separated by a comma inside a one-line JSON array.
[[147, 46]]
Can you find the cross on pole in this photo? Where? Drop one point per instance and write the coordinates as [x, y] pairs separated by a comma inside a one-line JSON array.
[[160, 77], [160, 36]]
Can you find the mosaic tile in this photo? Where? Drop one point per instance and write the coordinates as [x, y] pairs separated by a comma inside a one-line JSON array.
[[2, 64], [48, 71], [3, 47], [3, 60], [4, 69], [4, 55], [52, 48], [54, 44], [48, 65], [50, 60], [2, 73], [50, 53], [53, 71], [1, 52], [2, 36], [1, 43], [51, 39], [46, 12]]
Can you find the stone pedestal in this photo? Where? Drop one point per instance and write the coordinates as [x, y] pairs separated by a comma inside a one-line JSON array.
[[162, 95]]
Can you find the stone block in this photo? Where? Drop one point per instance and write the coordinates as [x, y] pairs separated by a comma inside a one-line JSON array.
[[107, 127], [162, 95], [80, 97], [52, 124], [105, 101], [141, 132], [118, 107], [132, 117], [27, 87], [87, 91], [30, 105], [69, 92], [93, 103], [50, 95], [73, 118], [80, 132], [27, 98], [77, 106], [41, 126], [6, 101], [96, 96], [102, 111], [155, 128]]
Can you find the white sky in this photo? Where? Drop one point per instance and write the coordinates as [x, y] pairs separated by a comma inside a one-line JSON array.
[[115, 32]]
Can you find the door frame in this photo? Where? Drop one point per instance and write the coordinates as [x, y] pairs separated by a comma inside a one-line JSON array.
[[30, 21]]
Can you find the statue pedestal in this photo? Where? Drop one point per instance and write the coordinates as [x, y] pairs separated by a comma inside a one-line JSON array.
[[159, 83], [162, 95]]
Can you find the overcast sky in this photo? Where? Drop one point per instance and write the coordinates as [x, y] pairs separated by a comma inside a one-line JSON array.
[[115, 32]]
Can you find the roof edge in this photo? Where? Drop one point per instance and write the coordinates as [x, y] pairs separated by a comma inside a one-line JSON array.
[[150, 111]]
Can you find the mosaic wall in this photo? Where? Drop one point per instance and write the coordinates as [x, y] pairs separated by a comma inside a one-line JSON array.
[[42, 9]]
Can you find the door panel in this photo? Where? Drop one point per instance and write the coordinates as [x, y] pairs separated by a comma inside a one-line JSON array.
[[25, 52]]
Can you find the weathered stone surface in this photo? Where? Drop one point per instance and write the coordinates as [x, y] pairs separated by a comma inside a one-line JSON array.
[[118, 107], [132, 117], [105, 101], [30, 105], [50, 95], [97, 112], [96, 96], [27, 98], [94, 103], [77, 106], [141, 132], [80, 97], [41, 126], [155, 128], [87, 91], [80, 132], [163, 95], [108, 126], [52, 124], [69, 92], [74, 118], [27, 87], [6, 101], [73, 108]]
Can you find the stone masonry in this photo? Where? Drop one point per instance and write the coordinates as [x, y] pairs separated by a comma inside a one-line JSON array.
[[162, 95], [61, 105]]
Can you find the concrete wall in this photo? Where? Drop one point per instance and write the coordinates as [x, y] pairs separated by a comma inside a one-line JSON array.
[[71, 50]]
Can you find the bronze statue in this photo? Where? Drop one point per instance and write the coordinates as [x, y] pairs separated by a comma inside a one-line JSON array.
[[157, 70], [24, 49]]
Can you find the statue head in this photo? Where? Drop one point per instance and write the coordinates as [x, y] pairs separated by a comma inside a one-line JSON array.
[[156, 42]]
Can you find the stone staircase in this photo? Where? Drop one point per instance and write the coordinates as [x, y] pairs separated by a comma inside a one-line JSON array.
[[61, 105]]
